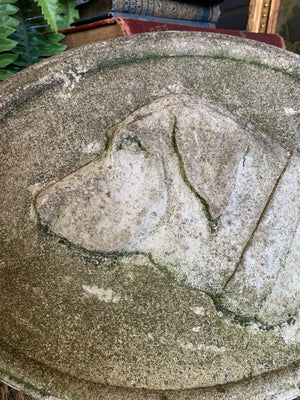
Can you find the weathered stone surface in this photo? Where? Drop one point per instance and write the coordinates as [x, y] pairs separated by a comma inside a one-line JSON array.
[[150, 221]]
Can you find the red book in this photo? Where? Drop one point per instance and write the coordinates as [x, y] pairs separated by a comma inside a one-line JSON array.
[[116, 27]]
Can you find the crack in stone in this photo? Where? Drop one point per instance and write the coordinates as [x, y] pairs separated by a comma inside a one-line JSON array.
[[247, 320], [258, 221], [211, 222]]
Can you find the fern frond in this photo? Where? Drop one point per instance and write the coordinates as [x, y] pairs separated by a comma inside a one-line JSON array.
[[33, 38], [49, 9], [36, 39], [7, 27], [66, 13]]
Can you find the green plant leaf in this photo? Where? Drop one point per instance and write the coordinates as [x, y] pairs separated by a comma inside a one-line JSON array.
[[66, 13], [6, 59], [8, 21], [7, 9], [7, 2], [7, 28], [35, 39], [55, 37], [40, 39], [49, 9], [4, 74], [7, 44], [30, 38], [5, 31], [40, 51]]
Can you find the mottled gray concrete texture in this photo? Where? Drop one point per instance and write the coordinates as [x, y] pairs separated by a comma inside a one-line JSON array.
[[149, 225]]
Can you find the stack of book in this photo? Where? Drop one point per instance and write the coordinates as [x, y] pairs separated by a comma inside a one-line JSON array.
[[107, 19], [186, 12]]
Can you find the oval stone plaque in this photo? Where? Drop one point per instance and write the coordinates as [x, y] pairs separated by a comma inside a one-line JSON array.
[[150, 237]]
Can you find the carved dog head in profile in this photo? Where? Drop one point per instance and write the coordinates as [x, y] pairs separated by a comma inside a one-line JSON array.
[[179, 181]]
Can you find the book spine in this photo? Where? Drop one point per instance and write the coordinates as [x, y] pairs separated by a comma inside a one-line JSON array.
[[132, 26], [199, 24], [171, 9]]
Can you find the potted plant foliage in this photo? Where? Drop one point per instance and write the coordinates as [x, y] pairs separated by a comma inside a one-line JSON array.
[[29, 31]]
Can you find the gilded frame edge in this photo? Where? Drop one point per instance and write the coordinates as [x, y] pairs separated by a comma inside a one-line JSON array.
[[263, 16]]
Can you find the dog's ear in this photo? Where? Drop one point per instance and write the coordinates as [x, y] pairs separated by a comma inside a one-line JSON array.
[[211, 147], [234, 168]]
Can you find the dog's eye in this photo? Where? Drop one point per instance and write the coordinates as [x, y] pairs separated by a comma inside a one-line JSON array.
[[130, 143]]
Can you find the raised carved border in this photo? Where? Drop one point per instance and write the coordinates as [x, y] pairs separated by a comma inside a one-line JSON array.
[[263, 15]]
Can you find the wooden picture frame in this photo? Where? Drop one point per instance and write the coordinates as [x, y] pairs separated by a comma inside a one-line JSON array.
[[263, 16]]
